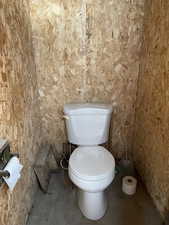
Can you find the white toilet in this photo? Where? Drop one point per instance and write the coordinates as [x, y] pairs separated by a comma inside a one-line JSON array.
[[91, 167]]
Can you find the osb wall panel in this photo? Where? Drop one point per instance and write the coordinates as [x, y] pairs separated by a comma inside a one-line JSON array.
[[87, 51], [151, 142], [19, 111]]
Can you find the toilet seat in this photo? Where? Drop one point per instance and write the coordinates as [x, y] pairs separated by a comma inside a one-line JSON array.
[[92, 163]]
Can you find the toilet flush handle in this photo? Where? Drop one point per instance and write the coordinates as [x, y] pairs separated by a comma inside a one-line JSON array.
[[65, 117]]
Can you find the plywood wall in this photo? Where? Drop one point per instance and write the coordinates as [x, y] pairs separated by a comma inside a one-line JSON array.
[[87, 51], [151, 139], [19, 110]]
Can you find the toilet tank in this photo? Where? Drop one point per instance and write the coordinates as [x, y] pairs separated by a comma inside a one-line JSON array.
[[87, 124]]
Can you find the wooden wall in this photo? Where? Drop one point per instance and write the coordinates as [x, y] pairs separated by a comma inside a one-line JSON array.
[[151, 138], [19, 108], [87, 51]]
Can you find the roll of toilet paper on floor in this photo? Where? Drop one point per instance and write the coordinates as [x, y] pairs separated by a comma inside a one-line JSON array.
[[129, 185], [14, 168]]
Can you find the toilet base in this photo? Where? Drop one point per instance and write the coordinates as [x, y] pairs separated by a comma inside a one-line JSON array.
[[93, 205]]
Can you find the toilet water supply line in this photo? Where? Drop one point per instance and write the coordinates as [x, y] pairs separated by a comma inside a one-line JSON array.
[[62, 166], [65, 117]]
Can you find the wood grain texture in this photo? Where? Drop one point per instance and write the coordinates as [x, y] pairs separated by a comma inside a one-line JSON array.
[[87, 51], [19, 108], [151, 141]]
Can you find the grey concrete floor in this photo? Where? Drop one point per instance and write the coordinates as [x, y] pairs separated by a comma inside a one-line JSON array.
[[59, 206]]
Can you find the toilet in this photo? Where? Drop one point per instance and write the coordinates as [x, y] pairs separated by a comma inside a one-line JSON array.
[[91, 166]]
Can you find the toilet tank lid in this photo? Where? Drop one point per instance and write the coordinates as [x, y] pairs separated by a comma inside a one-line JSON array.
[[87, 108]]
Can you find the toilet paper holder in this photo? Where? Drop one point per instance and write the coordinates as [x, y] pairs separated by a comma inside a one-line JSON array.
[[5, 156], [4, 173]]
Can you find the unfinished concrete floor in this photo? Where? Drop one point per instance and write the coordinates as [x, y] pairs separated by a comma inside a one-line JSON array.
[[59, 206]]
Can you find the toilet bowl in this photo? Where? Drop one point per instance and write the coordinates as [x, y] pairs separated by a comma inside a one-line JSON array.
[[91, 166], [92, 171]]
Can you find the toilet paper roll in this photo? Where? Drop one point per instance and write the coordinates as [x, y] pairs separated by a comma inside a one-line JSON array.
[[14, 168], [129, 185]]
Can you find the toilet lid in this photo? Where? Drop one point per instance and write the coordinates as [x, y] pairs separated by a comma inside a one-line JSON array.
[[92, 163]]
